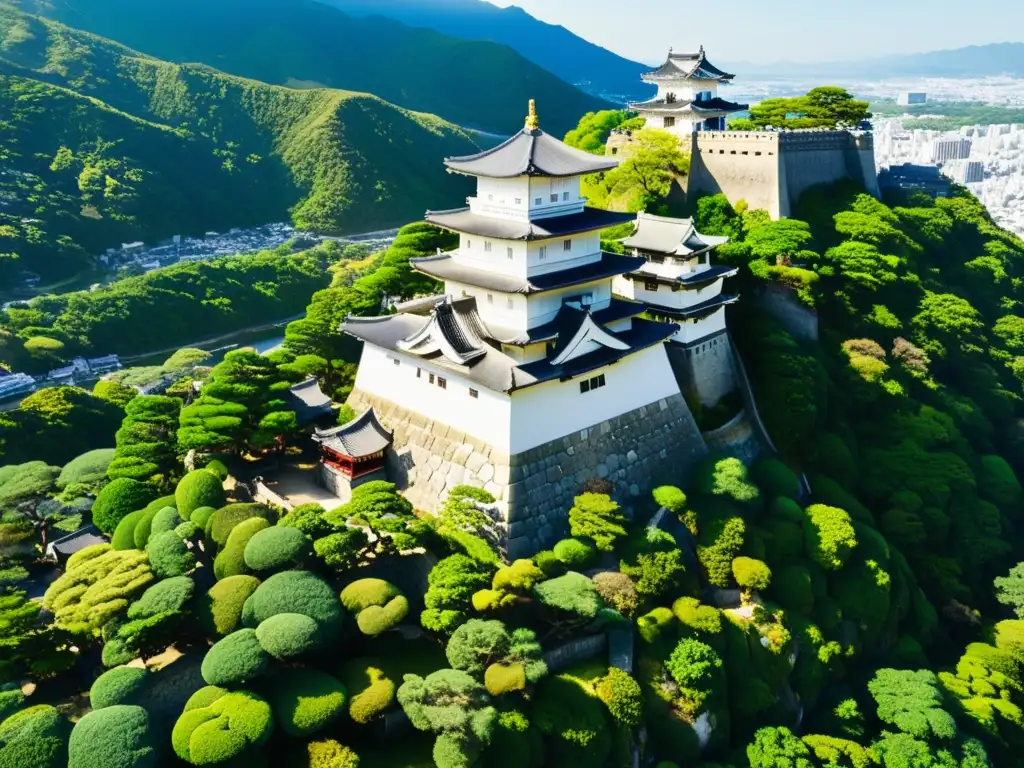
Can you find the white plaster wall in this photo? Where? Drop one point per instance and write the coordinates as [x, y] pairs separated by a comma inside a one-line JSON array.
[[473, 252], [690, 330], [487, 417], [586, 248], [686, 89], [554, 409], [542, 307], [508, 310], [502, 198], [526, 256], [681, 299], [569, 198]]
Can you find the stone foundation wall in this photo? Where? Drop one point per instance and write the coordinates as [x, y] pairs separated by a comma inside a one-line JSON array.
[[736, 438], [782, 303], [636, 451], [704, 370]]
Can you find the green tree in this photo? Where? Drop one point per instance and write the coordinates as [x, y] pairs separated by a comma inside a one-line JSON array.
[[24, 490], [147, 441], [778, 748], [912, 702], [1010, 589], [822, 107], [597, 517]]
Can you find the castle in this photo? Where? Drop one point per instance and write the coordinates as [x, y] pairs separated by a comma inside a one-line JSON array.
[[546, 362], [767, 169]]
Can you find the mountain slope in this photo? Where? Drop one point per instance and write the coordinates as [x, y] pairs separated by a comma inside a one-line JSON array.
[[305, 43], [575, 60], [103, 145]]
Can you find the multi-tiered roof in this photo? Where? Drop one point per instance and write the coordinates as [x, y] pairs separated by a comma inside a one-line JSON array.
[[455, 331], [684, 81]]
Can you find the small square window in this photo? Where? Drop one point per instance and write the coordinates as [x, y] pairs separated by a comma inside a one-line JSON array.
[[419, 373], [442, 383], [509, 254], [600, 380], [474, 394], [490, 298], [431, 378], [487, 246], [543, 252], [469, 244], [519, 201], [490, 198], [565, 195], [538, 201], [508, 303], [567, 245], [670, 122], [584, 387], [651, 285], [396, 361], [554, 198]]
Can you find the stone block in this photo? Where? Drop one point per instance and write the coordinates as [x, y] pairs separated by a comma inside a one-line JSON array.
[[602, 470], [613, 462], [461, 454], [475, 462], [434, 462], [606, 428], [631, 457], [502, 473], [516, 493], [485, 472], [497, 491], [554, 474], [455, 476], [521, 547]]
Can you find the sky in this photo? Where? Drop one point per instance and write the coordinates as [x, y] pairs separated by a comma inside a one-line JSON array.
[[783, 30]]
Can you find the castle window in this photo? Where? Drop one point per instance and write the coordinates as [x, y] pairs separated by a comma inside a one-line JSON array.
[[538, 201], [490, 298], [474, 394], [469, 244], [543, 252], [508, 253], [508, 303], [432, 377], [567, 245], [670, 122], [651, 285], [490, 198], [519, 201], [487, 246], [757, 154], [732, 152], [589, 385], [442, 383], [396, 361], [745, 152], [565, 195], [615, 150], [554, 198], [419, 373]]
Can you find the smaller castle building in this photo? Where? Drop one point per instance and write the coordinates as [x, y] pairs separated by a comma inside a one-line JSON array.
[[677, 279], [687, 100]]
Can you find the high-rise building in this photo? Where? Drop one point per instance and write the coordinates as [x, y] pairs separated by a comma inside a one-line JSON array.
[[687, 100], [909, 98], [964, 171], [944, 150]]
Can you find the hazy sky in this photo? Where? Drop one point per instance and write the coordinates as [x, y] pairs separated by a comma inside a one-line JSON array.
[[783, 30]]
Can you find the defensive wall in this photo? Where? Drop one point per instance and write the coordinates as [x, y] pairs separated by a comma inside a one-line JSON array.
[[771, 169]]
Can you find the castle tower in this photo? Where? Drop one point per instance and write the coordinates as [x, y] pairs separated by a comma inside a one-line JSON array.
[[677, 279], [687, 100], [526, 376]]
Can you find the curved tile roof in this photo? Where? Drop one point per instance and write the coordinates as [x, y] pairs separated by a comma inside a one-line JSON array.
[[464, 220], [530, 153]]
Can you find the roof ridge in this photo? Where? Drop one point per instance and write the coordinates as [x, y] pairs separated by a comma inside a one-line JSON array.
[[485, 152]]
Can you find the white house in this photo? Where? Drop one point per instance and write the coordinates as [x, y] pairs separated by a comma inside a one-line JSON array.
[[687, 100], [677, 278]]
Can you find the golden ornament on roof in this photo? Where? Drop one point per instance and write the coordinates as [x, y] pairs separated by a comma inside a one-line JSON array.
[[532, 119]]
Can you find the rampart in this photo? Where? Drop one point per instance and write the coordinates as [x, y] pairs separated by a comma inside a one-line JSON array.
[[771, 169]]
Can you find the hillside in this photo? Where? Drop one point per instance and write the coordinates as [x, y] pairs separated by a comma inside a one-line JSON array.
[[303, 43], [588, 66], [105, 145]]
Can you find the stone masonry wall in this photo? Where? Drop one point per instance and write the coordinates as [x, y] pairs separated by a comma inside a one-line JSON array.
[[797, 318], [656, 443], [704, 370]]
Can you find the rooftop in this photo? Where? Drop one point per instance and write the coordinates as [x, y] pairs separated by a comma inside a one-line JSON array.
[[308, 401], [689, 106], [492, 368], [698, 310], [465, 221], [531, 152], [672, 237], [444, 267], [688, 66], [363, 436]]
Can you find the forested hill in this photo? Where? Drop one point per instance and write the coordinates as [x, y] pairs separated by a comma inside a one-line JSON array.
[[557, 49], [103, 145], [303, 43]]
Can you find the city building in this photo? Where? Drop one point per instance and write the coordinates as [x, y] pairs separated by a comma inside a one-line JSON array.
[[15, 384], [687, 100], [964, 171], [944, 150], [527, 376], [909, 98], [915, 178], [677, 279]]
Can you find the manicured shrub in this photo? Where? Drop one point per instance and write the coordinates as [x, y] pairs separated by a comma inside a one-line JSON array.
[[829, 455], [120, 685], [377, 604], [549, 563], [577, 554], [219, 611], [113, 737], [89, 469], [167, 519], [287, 635], [295, 592], [719, 542], [775, 479], [654, 562], [305, 701], [168, 555], [697, 620], [786, 509], [829, 536], [199, 488], [519, 577], [693, 663], [570, 601], [504, 678], [218, 468], [124, 534], [452, 583], [792, 589], [187, 530], [200, 517], [235, 659], [230, 561], [223, 521], [217, 726], [623, 697], [514, 743], [783, 540], [479, 644], [325, 754], [11, 699], [997, 482], [96, 587], [597, 517], [143, 528], [751, 574], [577, 732], [308, 518], [276, 548], [118, 499], [617, 591], [342, 550], [371, 692], [35, 737], [671, 498], [727, 479]]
